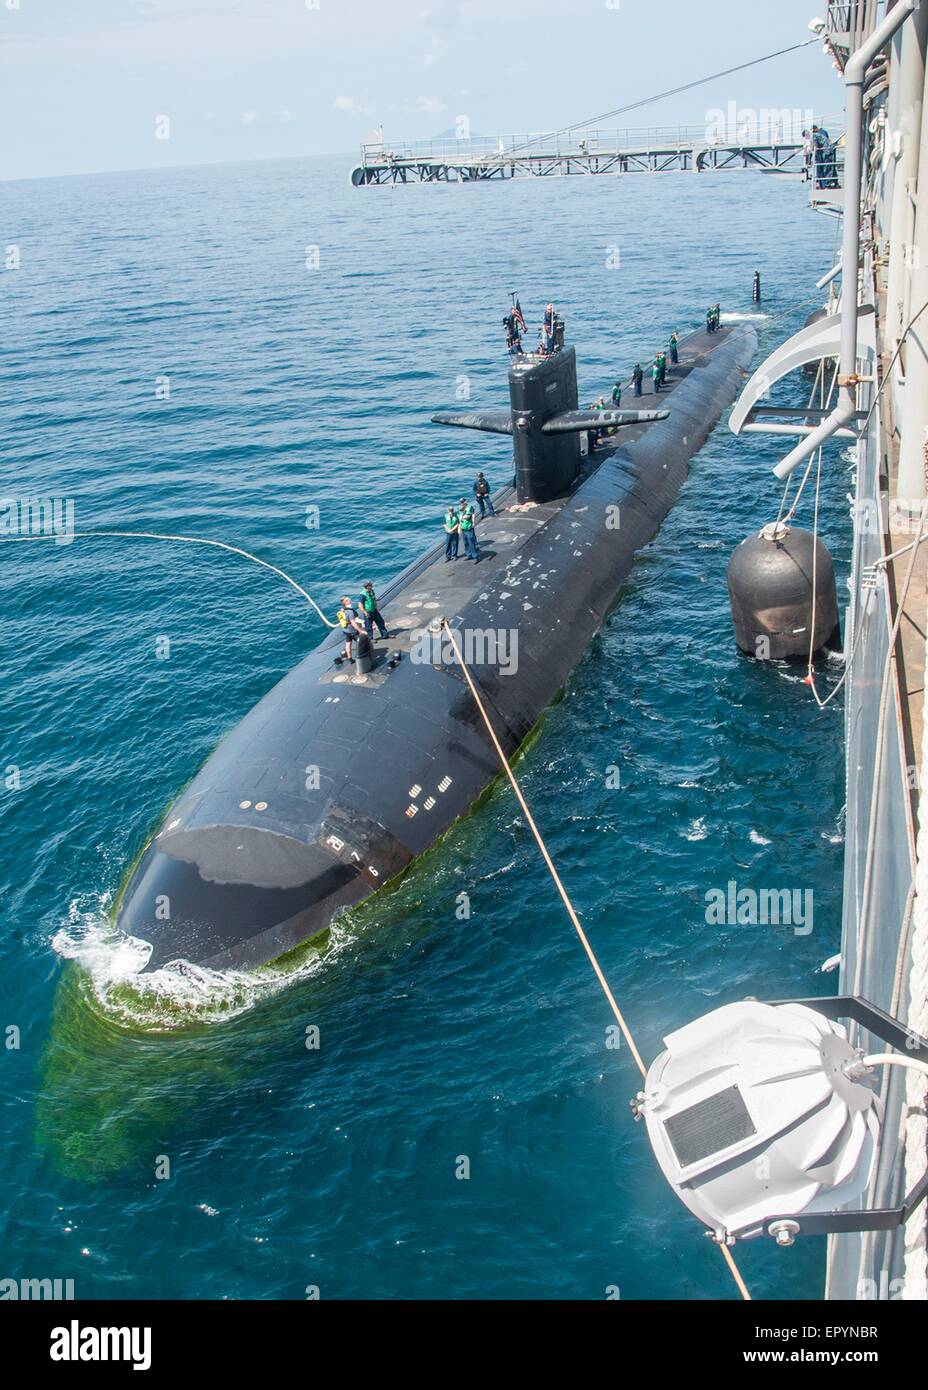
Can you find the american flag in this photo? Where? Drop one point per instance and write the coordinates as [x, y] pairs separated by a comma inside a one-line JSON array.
[[518, 315]]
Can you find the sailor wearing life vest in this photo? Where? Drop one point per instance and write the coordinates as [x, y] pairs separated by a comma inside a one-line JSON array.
[[350, 624]]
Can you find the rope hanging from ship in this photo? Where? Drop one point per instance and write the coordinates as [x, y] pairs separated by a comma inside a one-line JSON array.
[[568, 905], [659, 96], [190, 540]]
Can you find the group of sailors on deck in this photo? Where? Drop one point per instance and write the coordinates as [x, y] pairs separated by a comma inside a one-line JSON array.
[[357, 620], [460, 518], [460, 521], [658, 366]]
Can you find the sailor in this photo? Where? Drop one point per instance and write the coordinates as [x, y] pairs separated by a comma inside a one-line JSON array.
[[617, 395], [593, 436], [829, 159], [468, 534], [548, 328], [451, 534], [482, 494], [807, 152], [601, 405], [637, 376], [558, 332], [656, 375], [710, 319], [662, 363], [350, 624], [820, 144], [372, 612], [717, 315], [674, 350]]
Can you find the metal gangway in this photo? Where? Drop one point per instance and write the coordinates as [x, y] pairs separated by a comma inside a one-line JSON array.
[[771, 143]]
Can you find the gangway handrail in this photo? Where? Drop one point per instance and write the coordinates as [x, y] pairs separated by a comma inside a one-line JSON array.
[[592, 140]]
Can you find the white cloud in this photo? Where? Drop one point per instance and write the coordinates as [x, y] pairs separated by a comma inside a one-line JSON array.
[[431, 106], [355, 106]]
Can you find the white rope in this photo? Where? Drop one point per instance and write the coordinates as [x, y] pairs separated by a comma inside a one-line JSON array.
[[190, 540], [895, 1059], [571, 910]]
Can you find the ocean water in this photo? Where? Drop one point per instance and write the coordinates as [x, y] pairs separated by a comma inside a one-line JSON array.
[[177, 357]]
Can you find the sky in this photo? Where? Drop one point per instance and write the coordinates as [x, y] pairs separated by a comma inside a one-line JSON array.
[[85, 85]]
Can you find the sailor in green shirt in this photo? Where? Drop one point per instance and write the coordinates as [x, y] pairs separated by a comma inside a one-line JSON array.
[[468, 534], [451, 534], [372, 612]]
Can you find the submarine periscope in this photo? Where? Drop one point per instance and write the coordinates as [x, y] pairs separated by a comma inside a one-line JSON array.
[[335, 782]]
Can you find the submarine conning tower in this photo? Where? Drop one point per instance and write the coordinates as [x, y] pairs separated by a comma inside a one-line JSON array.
[[540, 389], [544, 422]]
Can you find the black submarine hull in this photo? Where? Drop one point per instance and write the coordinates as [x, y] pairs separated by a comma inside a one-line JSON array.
[[333, 784]]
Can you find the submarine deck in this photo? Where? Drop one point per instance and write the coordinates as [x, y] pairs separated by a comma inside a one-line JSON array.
[[434, 588]]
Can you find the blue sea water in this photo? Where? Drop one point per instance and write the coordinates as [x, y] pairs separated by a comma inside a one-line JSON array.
[[199, 1148]]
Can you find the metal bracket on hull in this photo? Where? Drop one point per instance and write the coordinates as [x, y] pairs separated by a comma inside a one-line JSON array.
[[785, 1228], [816, 342]]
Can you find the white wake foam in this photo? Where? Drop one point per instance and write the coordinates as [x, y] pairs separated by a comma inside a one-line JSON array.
[[178, 994]]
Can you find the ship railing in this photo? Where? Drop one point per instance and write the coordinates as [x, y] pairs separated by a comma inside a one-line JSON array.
[[848, 23], [765, 129]]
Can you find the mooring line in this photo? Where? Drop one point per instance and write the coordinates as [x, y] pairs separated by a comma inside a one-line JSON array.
[[565, 898], [190, 540]]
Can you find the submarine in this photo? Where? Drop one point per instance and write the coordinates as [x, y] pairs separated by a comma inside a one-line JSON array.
[[338, 778]]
